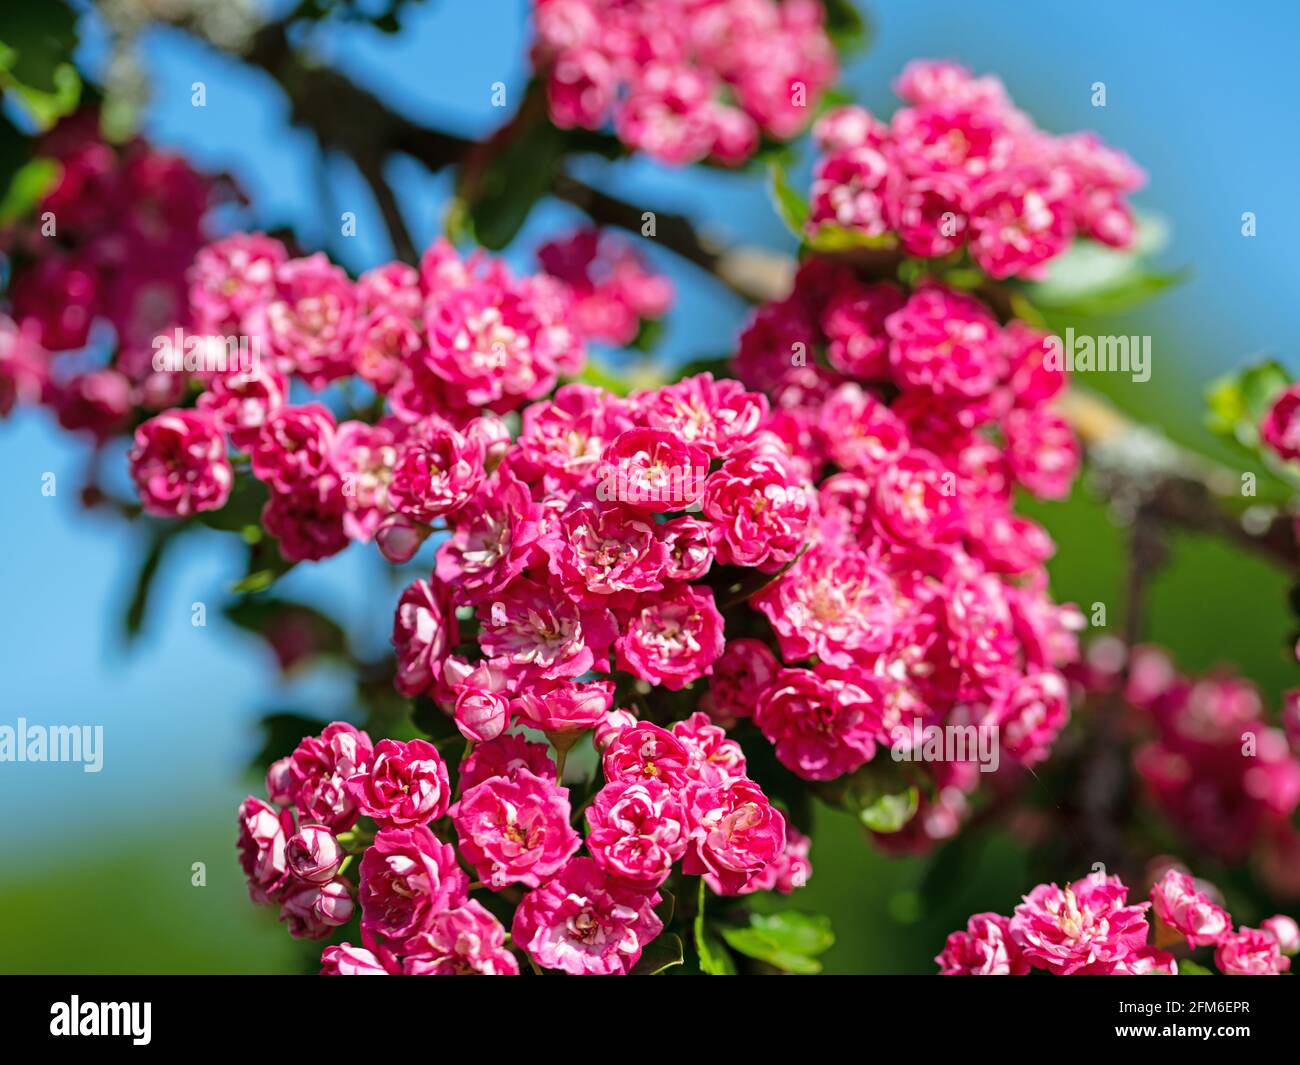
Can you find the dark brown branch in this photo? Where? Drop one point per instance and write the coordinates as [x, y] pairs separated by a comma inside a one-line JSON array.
[[403, 246]]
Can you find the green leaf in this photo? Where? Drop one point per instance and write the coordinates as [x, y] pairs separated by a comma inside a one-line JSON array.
[[714, 959], [662, 954], [248, 496], [787, 200], [831, 237], [1238, 401], [1190, 968], [889, 813], [519, 174], [26, 189], [37, 38], [789, 941], [429, 719], [667, 906], [319, 634], [1094, 279], [881, 796], [162, 539], [47, 107], [845, 25], [282, 731]]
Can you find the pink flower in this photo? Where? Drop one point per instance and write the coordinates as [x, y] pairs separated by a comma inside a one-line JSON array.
[[1043, 451], [580, 90], [651, 469], [536, 632], [761, 511], [1181, 907], [492, 539], [503, 757], [854, 324], [848, 190], [1020, 223], [916, 502], [862, 434], [364, 457], [313, 911], [313, 854], [232, 277], [240, 403], [465, 941], [179, 464], [945, 342], [735, 833], [831, 604], [673, 637], [309, 319], [1087, 923], [984, 949], [1280, 428], [787, 873], [438, 470], [567, 707], [636, 830], [821, 724], [646, 752], [1285, 930], [515, 830], [613, 290], [1031, 716], [715, 759], [739, 678], [563, 440], [294, 448], [587, 923], [494, 340], [483, 705], [316, 776], [407, 879], [1250, 952], [263, 833], [347, 960], [424, 633], [688, 547], [405, 785], [930, 213], [605, 550], [718, 416], [610, 727], [307, 524]]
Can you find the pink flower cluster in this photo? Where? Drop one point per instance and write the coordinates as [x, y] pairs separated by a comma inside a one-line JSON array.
[[1089, 928], [669, 796], [685, 80], [109, 242], [959, 168], [1216, 768], [450, 347], [613, 291], [923, 595]]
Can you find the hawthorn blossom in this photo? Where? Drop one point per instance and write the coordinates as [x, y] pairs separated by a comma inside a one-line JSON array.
[[586, 922], [515, 829]]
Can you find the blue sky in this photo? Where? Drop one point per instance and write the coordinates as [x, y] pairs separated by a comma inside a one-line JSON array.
[[1202, 95]]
